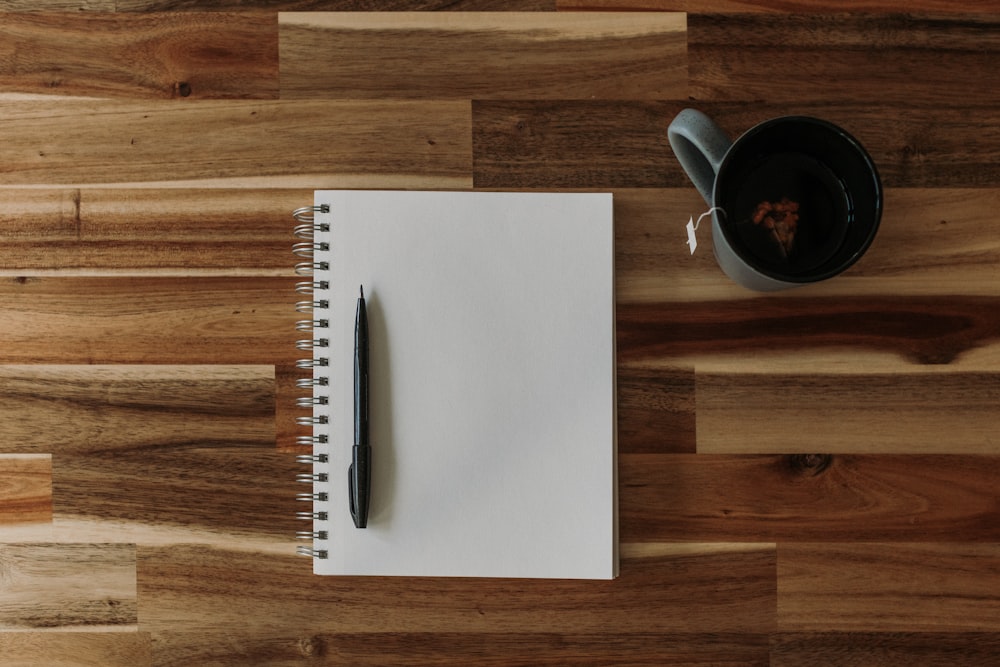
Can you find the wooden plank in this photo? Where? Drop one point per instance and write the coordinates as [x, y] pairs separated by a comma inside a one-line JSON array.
[[70, 232], [182, 55], [656, 410], [484, 649], [932, 587], [77, 649], [676, 588], [927, 649], [920, 330], [25, 487], [68, 586], [326, 5], [484, 55], [808, 497], [896, 408], [799, 58], [932, 241], [696, 7], [239, 143], [623, 144], [92, 408], [148, 320]]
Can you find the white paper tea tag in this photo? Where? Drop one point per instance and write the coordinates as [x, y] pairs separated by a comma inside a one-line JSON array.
[[692, 239], [692, 226]]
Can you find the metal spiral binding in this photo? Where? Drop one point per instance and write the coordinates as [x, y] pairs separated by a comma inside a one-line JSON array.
[[306, 249]]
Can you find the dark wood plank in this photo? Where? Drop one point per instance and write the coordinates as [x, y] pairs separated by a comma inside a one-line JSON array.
[[656, 410], [808, 497], [148, 320], [77, 649], [623, 144], [68, 587], [181, 55], [884, 649], [798, 58], [922, 330], [485, 55], [25, 487], [889, 587], [239, 143], [782, 6], [483, 649], [675, 588]]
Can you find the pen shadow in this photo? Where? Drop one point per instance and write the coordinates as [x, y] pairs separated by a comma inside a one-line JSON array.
[[380, 406]]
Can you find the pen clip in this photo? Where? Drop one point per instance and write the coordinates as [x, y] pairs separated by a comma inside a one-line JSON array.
[[350, 493]]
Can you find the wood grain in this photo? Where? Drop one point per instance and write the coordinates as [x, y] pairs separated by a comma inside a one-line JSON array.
[[889, 410], [76, 649], [149, 320], [813, 58], [222, 584], [696, 7], [483, 55], [613, 144], [933, 649], [238, 143], [25, 488], [68, 587], [487, 649], [73, 232], [932, 587], [94, 409], [182, 55], [811, 496]]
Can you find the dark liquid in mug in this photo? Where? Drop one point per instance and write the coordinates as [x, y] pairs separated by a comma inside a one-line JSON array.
[[802, 213]]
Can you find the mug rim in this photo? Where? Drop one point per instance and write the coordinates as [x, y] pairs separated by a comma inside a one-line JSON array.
[[855, 145]]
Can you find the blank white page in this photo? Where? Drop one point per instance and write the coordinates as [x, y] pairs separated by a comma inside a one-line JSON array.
[[492, 383]]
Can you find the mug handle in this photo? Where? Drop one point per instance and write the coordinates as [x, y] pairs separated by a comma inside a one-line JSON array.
[[700, 145]]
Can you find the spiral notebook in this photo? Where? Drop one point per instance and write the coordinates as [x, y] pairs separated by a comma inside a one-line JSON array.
[[492, 382]]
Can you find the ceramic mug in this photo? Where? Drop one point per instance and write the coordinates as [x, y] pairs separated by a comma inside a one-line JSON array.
[[797, 199]]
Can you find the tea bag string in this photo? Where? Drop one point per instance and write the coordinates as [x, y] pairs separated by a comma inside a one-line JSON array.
[[692, 226]]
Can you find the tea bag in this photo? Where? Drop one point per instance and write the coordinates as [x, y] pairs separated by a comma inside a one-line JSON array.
[[781, 220]]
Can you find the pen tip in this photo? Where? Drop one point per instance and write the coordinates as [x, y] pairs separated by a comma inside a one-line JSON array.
[[362, 291]]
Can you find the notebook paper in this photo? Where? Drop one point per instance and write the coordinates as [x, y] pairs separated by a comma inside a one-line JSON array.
[[492, 383]]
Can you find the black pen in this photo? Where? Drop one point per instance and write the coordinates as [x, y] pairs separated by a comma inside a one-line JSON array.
[[360, 473]]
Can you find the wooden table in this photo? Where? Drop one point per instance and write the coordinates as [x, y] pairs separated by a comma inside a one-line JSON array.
[[809, 478]]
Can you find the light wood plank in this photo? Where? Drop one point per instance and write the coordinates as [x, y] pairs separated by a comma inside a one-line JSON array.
[[898, 410], [149, 320], [484, 55], [808, 497], [930, 587], [183, 55], [238, 143], [63, 586], [25, 488], [76, 649], [932, 241], [71, 232], [676, 588]]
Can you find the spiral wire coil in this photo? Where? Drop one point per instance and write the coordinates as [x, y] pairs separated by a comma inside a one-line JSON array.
[[306, 249]]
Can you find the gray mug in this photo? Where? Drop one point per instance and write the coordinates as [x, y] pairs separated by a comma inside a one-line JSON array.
[[797, 199]]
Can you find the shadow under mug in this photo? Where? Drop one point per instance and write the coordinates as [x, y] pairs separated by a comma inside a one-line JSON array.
[[795, 199]]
